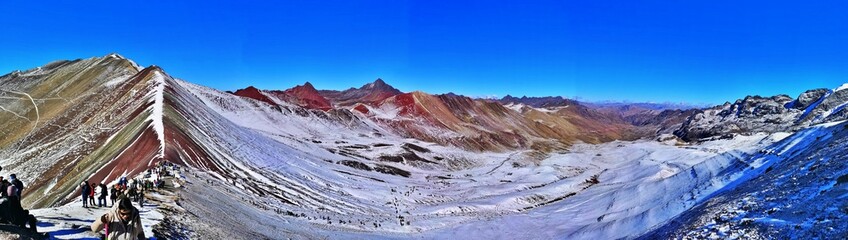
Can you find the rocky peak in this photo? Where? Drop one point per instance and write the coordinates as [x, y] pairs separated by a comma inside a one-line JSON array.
[[115, 55], [254, 93], [248, 89], [370, 93], [306, 87], [306, 96], [377, 83], [116, 59], [380, 85]]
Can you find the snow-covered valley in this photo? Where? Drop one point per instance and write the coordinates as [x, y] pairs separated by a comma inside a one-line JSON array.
[[554, 198]]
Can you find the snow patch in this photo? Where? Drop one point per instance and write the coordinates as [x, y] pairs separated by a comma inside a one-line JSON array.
[[840, 88], [830, 124], [157, 111], [515, 106], [115, 81], [551, 109], [834, 110], [387, 111]]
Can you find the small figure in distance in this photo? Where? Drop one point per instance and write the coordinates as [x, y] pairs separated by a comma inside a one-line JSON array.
[[85, 191]]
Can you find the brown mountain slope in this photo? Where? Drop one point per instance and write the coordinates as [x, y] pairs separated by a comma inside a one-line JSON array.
[[486, 125]]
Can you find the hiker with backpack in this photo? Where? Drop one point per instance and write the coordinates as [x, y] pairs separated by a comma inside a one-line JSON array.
[[101, 201], [18, 184], [85, 191], [131, 193], [122, 221], [114, 193]]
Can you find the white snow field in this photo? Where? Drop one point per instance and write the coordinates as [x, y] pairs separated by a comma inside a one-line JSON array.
[[640, 184]]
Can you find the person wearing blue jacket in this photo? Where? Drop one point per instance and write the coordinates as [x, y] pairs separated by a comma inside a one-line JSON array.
[[86, 190]]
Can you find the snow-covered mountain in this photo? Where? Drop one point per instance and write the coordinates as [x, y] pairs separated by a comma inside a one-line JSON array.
[[377, 163]]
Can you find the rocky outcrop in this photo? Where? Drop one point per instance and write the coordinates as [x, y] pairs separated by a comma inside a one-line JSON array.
[[808, 98], [751, 114], [829, 107], [766, 114], [539, 102]]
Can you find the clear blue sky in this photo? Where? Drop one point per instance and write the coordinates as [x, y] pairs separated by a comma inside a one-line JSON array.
[[691, 51]]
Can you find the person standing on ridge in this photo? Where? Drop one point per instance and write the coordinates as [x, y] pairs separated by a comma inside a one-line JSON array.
[[86, 191], [101, 201], [114, 193], [18, 184], [91, 194]]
